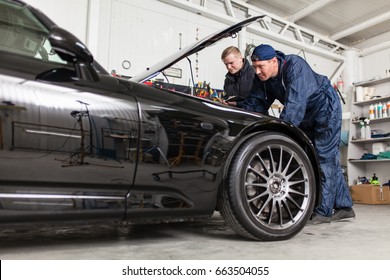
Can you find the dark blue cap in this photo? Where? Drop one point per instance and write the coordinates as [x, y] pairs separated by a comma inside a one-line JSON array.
[[263, 52]]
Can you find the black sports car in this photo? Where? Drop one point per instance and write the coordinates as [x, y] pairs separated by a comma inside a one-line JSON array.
[[77, 143]]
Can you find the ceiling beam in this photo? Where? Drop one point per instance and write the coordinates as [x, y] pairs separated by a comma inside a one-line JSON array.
[[360, 26], [375, 49], [229, 8], [269, 27], [309, 10]]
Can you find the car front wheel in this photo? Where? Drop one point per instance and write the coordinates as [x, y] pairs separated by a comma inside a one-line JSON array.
[[269, 192]]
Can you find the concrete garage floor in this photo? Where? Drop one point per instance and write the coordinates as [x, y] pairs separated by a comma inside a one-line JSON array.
[[366, 237]]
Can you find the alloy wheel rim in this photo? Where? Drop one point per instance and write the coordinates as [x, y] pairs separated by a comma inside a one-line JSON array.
[[276, 187]]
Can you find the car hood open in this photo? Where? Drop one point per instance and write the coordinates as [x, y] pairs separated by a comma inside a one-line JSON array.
[[193, 48]]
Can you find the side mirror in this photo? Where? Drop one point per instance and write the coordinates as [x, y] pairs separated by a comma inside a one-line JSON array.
[[72, 50]]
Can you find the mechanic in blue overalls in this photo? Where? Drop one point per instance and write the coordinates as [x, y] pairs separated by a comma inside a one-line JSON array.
[[312, 104]]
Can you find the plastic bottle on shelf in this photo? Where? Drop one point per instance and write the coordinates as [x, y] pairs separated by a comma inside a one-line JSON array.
[[380, 107], [375, 110], [368, 131], [371, 112], [384, 111], [362, 132], [388, 108]]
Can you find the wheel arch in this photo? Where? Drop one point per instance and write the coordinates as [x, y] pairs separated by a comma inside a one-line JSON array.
[[287, 129]]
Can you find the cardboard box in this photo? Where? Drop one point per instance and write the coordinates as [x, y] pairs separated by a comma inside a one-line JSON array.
[[370, 194]]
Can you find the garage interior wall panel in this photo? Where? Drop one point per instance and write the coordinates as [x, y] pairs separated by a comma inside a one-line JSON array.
[[143, 32], [375, 65], [98, 33], [70, 14], [145, 35]]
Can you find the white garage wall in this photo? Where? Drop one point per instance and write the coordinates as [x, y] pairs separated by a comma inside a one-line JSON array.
[[70, 14], [375, 65], [143, 32]]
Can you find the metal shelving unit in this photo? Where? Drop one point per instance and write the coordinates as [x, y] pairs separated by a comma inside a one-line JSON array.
[[357, 147]]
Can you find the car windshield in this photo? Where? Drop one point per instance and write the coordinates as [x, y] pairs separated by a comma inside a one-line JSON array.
[[23, 34]]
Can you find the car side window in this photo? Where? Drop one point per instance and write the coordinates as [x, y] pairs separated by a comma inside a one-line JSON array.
[[21, 33]]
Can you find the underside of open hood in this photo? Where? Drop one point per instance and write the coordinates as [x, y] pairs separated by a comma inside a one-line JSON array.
[[193, 48]]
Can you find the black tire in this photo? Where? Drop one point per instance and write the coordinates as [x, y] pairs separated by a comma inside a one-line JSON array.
[[270, 190]]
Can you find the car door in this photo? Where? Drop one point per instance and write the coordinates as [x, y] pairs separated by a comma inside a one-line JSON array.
[[66, 140], [63, 148]]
